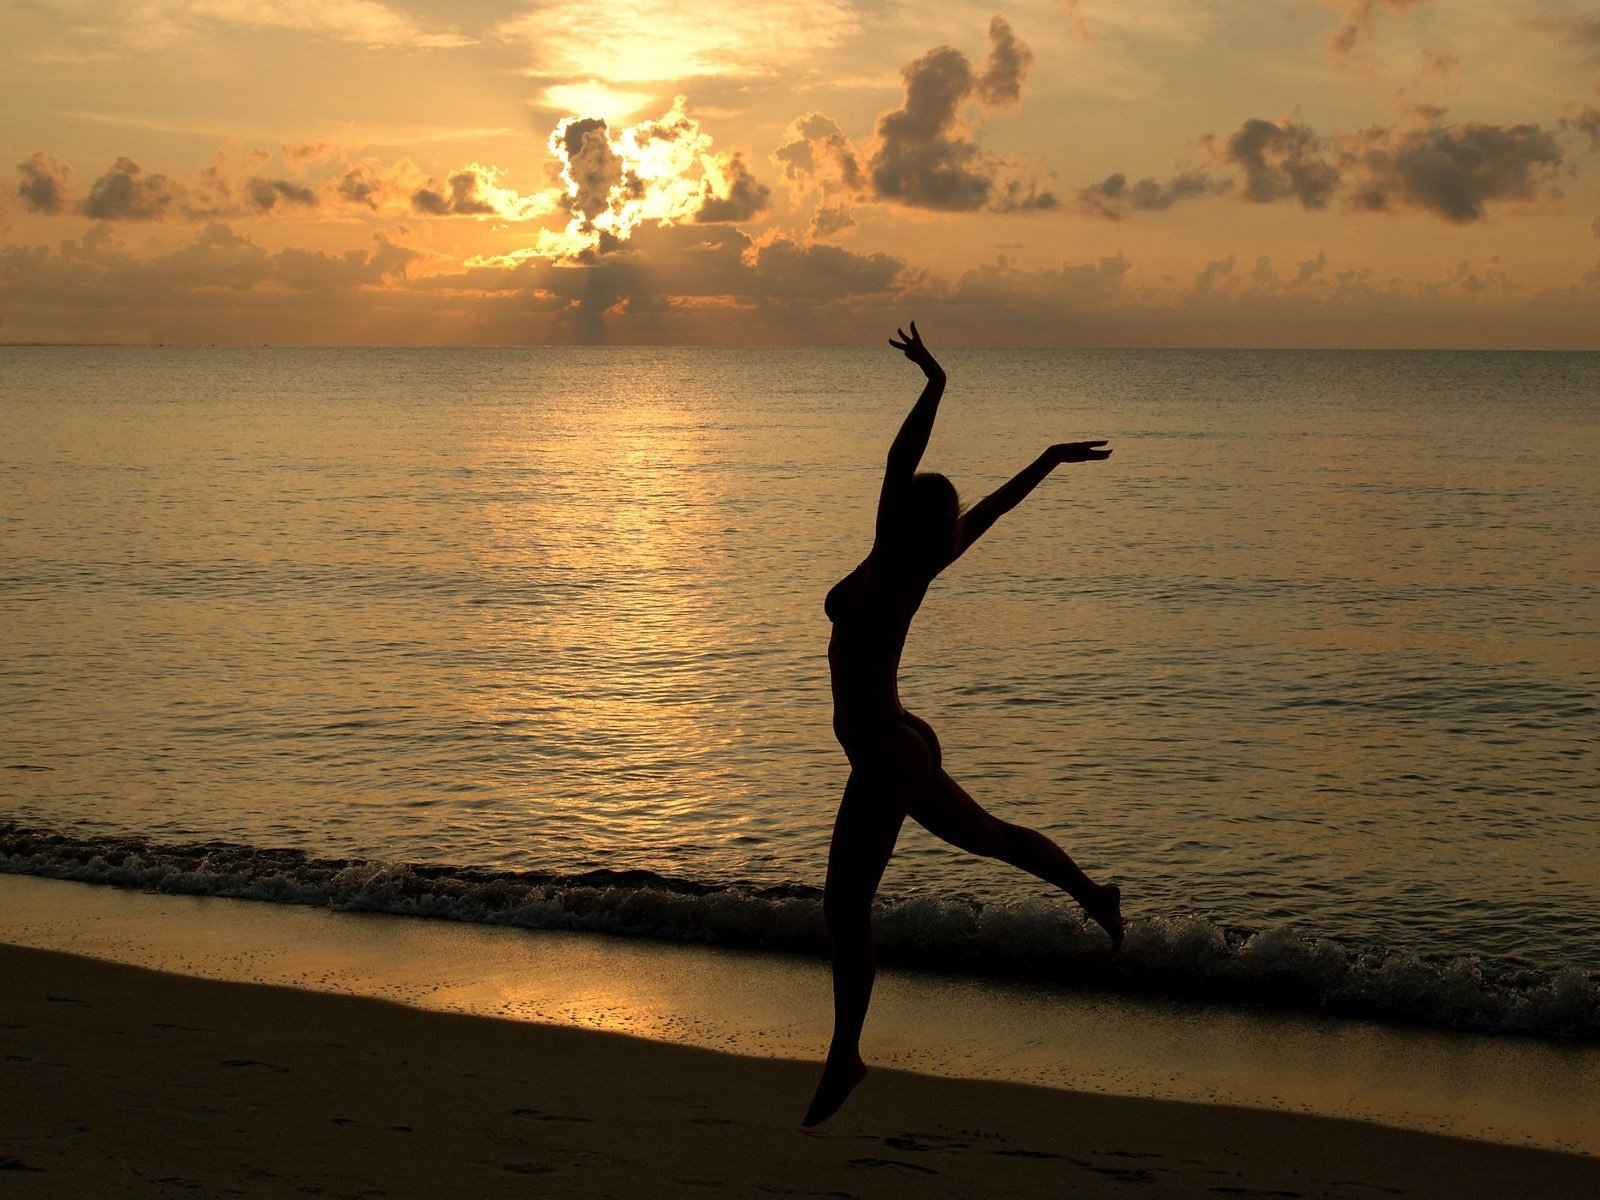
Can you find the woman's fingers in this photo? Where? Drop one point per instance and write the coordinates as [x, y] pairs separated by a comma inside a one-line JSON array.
[[914, 332]]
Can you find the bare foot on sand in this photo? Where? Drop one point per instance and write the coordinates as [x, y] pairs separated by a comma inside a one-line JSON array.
[[1106, 912], [839, 1079]]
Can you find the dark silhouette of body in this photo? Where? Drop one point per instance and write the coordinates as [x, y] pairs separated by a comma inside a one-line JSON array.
[[896, 768]]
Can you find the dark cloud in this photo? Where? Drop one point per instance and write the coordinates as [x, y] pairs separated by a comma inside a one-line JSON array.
[[232, 186], [782, 269], [592, 168], [1451, 171], [363, 185], [830, 219], [1281, 160], [126, 193], [1114, 197], [1008, 64], [924, 158], [1023, 195], [265, 194], [44, 183], [922, 161], [461, 198], [741, 197]]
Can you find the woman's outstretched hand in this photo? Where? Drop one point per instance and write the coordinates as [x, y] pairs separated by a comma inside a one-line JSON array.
[[1077, 452], [911, 344]]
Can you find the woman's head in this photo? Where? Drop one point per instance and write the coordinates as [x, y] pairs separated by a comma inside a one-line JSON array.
[[932, 510]]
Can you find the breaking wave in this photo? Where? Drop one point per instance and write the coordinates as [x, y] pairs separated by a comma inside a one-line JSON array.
[[1173, 955]]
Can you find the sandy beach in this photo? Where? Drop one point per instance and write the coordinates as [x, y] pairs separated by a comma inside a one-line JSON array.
[[123, 1081]]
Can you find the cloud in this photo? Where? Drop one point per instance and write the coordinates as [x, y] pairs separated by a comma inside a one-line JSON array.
[[96, 285], [299, 154], [816, 154], [651, 41], [1281, 160], [267, 194], [1009, 62], [1356, 22], [232, 186], [1585, 120], [1073, 11], [714, 284], [659, 172], [732, 193], [364, 22], [1451, 171], [475, 191], [831, 219], [44, 183], [126, 193], [923, 156], [1114, 197], [1008, 293]]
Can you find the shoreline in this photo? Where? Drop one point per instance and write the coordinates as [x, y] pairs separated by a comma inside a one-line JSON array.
[[145, 1083], [1507, 1090]]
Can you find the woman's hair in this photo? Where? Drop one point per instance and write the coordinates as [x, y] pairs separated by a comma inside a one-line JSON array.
[[933, 509]]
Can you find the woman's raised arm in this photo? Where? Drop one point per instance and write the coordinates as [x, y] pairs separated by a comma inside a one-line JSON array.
[[975, 522], [905, 452]]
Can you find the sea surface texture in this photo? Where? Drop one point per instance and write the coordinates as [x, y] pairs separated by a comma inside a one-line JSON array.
[[1311, 666]]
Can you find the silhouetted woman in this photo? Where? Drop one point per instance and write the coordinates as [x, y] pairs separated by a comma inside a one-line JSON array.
[[895, 767]]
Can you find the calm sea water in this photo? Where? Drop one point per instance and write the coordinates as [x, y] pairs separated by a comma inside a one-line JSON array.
[[1318, 648]]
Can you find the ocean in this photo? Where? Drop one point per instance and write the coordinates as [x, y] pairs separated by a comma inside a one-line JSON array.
[[1311, 667]]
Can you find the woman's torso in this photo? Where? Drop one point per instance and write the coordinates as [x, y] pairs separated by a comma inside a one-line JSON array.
[[871, 609]]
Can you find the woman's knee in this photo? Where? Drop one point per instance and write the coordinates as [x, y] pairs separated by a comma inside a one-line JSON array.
[[846, 914]]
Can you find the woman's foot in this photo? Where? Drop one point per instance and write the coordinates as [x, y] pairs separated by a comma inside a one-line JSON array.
[[1105, 910], [839, 1078]]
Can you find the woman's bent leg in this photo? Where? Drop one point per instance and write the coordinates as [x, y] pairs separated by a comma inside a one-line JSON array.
[[948, 812]]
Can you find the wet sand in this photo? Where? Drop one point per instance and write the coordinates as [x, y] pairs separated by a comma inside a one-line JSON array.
[[124, 1081], [1525, 1091]]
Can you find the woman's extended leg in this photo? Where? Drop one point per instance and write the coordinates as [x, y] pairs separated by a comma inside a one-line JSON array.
[[945, 810], [864, 834]]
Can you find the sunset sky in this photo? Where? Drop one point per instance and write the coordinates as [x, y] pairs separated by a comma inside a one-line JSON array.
[[1037, 172]]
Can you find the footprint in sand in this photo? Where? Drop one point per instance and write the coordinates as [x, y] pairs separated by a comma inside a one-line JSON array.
[[924, 1142], [892, 1162], [536, 1115]]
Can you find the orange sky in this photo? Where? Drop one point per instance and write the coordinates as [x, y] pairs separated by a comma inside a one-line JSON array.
[[1178, 172]]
